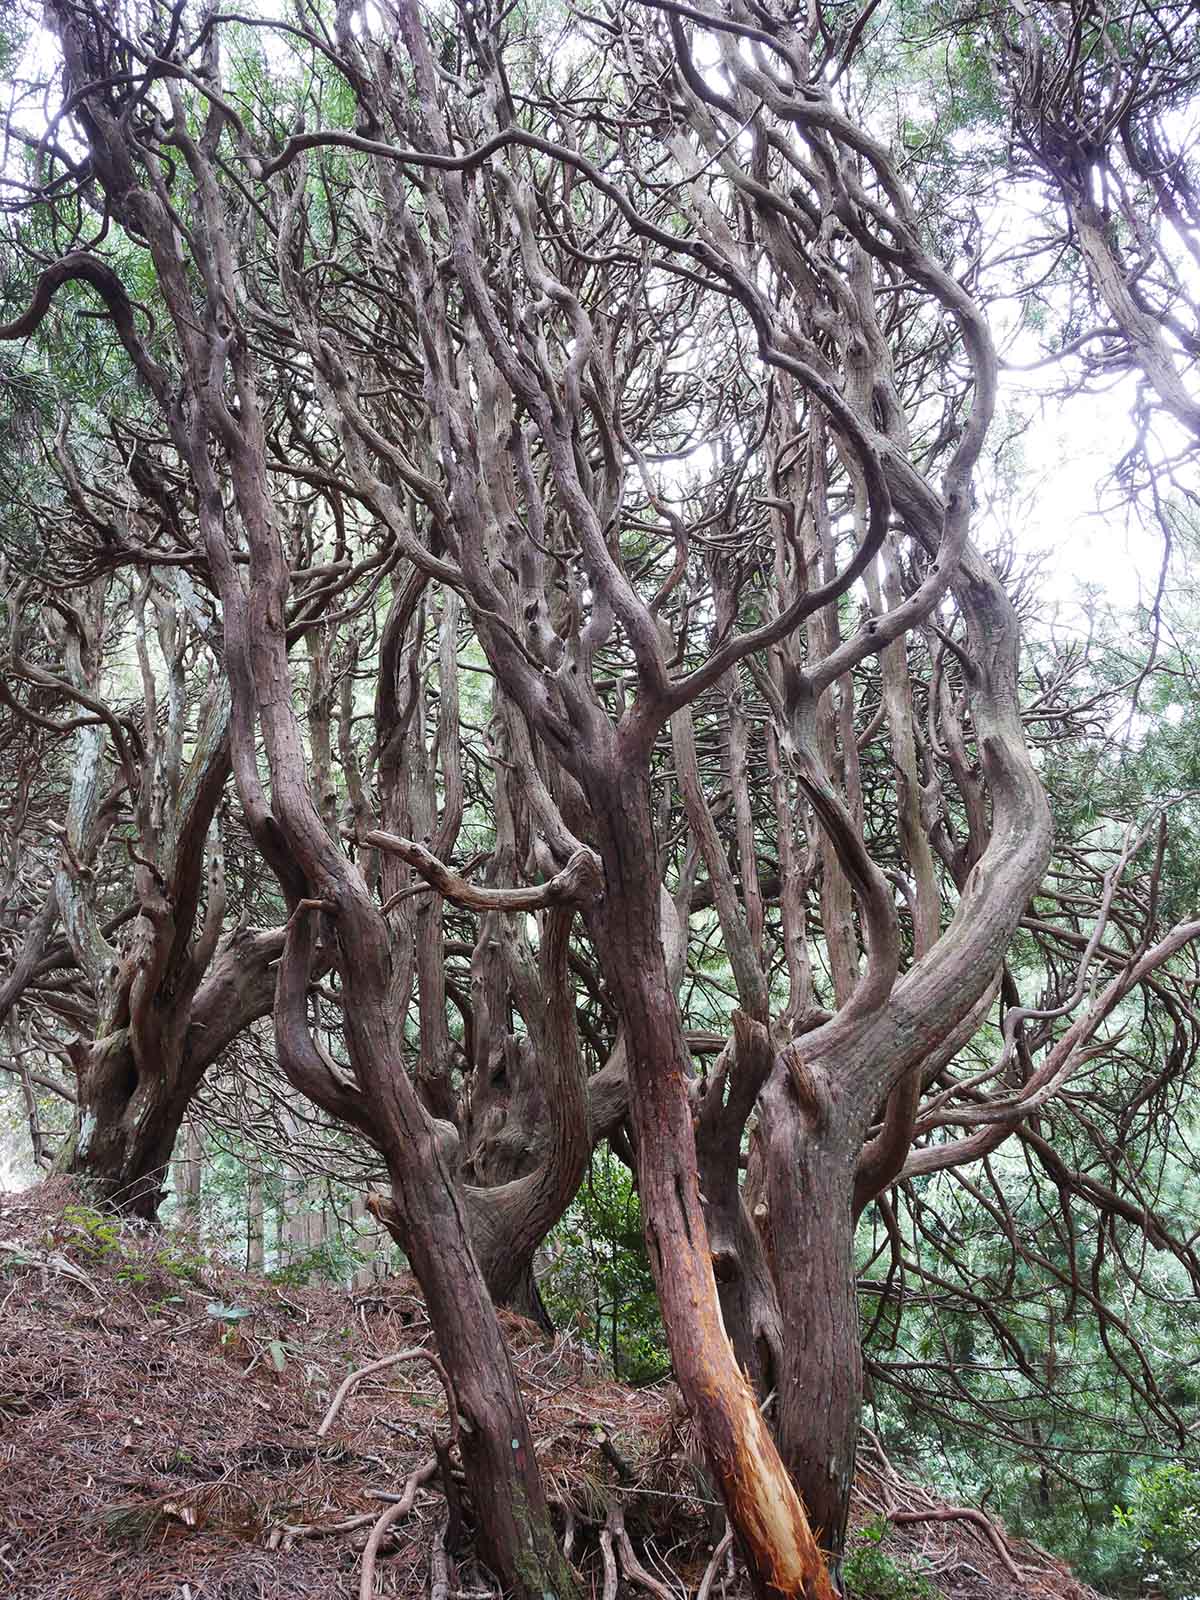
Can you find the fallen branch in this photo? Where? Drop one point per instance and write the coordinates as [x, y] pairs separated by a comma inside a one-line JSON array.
[[891, 1484]]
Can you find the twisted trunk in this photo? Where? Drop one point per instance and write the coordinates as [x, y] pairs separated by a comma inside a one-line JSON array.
[[809, 1161], [777, 1542], [127, 1125], [134, 1086]]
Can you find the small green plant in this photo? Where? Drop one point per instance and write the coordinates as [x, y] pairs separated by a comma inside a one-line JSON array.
[[229, 1319], [101, 1235], [100, 1239], [871, 1575], [187, 1267], [1163, 1519]]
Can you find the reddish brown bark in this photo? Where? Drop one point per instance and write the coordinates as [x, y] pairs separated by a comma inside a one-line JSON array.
[[133, 1089], [775, 1535]]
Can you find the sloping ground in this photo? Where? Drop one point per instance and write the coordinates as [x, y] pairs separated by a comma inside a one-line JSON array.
[[160, 1439]]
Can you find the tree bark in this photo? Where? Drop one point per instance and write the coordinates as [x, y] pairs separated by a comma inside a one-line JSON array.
[[809, 1168], [189, 1169], [255, 1222], [132, 1099], [777, 1542], [128, 1123]]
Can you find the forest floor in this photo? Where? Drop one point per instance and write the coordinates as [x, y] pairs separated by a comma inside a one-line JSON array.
[[161, 1439]]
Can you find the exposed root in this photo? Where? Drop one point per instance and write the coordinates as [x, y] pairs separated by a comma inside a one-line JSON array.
[[610, 1564], [904, 1503], [714, 1566], [393, 1514], [965, 1514], [439, 1567], [284, 1534], [355, 1377], [631, 1566]]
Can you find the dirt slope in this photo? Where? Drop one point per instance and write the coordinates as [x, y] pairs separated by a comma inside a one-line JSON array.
[[159, 1418]]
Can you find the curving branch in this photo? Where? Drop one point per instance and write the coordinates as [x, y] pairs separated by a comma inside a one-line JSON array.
[[580, 883]]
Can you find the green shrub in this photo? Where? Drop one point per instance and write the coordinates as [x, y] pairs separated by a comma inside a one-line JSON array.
[[599, 1279], [103, 1240], [871, 1575], [1163, 1519]]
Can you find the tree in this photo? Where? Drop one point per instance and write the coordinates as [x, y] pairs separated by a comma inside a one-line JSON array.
[[629, 336], [143, 973]]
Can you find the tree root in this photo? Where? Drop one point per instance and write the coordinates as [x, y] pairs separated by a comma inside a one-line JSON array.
[[714, 1566], [610, 1563], [402, 1507], [440, 1462], [926, 1510], [439, 1567], [978, 1519], [353, 1378], [614, 1542], [284, 1534]]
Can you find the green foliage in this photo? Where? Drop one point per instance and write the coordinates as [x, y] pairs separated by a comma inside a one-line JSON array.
[[1163, 1522], [224, 1313], [103, 1240], [869, 1574], [600, 1278], [332, 1261], [101, 1234]]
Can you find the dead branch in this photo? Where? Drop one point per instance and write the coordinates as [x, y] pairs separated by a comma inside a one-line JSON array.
[[714, 1566]]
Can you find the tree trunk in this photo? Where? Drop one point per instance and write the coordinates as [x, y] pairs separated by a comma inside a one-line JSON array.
[[189, 1171], [516, 1536], [427, 1214], [127, 1123], [810, 1163], [781, 1554], [749, 1303], [525, 1298], [132, 1097], [510, 1218], [255, 1221]]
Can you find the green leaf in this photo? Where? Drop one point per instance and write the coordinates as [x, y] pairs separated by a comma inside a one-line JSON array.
[[214, 1308]]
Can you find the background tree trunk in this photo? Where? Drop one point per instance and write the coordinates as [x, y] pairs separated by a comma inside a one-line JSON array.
[[189, 1170], [255, 1222]]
